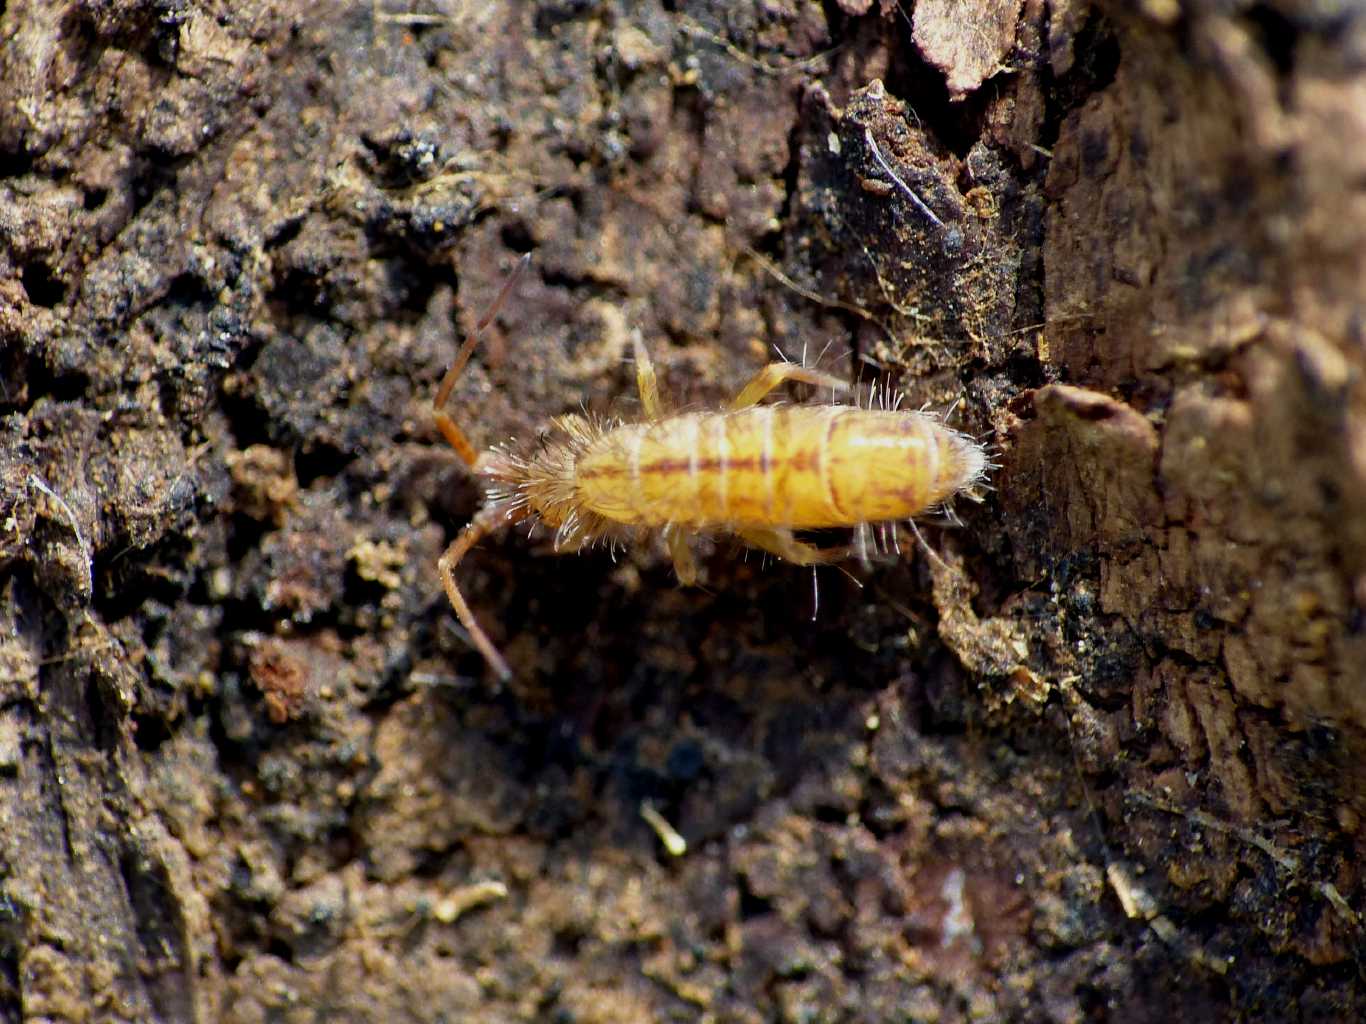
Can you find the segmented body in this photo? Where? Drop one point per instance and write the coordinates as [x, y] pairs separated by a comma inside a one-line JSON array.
[[758, 472], [763, 467]]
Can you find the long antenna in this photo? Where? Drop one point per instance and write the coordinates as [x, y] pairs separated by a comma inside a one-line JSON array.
[[444, 423]]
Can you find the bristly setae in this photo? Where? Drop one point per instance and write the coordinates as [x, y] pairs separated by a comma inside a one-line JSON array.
[[758, 472]]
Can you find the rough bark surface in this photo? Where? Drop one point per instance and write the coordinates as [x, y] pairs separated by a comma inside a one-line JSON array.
[[1099, 756]]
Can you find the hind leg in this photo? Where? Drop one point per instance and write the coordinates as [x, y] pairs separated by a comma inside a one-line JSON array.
[[785, 546], [779, 373]]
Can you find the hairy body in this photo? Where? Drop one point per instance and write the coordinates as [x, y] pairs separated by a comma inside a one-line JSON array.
[[757, 472], [785, 467]]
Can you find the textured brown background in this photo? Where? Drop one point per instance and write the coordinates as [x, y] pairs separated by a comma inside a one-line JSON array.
[[1102, 762]]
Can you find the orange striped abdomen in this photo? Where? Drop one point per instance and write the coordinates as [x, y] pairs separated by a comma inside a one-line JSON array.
[[775, 466]]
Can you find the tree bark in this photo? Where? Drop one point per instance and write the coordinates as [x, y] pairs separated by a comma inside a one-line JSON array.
[[1093, 751]]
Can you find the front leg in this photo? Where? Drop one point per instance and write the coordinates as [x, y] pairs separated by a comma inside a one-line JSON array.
[[685, 565], [645, 379]]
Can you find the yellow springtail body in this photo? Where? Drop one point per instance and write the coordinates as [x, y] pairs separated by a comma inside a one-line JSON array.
[[758, 472]]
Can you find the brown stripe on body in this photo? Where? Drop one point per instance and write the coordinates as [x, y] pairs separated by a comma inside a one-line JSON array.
[[767, 466], [721, 446], [794, 472], [681, 470], [684, 467], [829, 456]]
